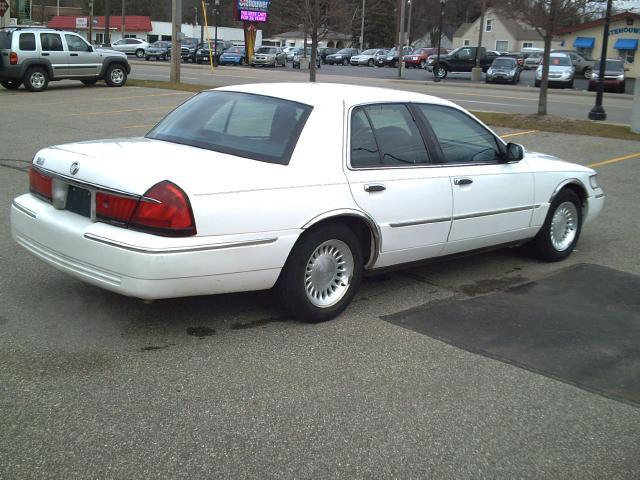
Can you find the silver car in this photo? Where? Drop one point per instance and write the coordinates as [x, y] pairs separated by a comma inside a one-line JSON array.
[[131, 46], [561, 71], [368, 57], [584, 65], [269, 56]]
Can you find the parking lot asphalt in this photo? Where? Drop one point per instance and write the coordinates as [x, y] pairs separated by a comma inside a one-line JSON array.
[[95, 385], [459, 88]]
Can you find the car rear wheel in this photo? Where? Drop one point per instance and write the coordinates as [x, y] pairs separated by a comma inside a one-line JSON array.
[[561, 229], [11, 84], [36, 79], [587, 73], [139, 53], [322, 273], [116, 75], [370, 63], [423, 64], [345, 61]]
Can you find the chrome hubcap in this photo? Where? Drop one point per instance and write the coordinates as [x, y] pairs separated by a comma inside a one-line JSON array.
[[564, 226], [117, 76], [37, 80], [328, 273]]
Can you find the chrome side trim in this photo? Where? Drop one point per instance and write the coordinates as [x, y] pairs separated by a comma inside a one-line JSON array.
[[24, 209], [420, 222], [600, 195], [185, 249], [495, 212], [374, 228], [566, 182]]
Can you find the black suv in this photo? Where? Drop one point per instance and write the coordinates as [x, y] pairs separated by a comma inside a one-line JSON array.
[[35, 56]]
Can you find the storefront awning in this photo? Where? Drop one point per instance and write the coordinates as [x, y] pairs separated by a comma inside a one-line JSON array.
[[626, 44], [584, 42]]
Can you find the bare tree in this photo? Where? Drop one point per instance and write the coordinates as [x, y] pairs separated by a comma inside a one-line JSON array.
[[545, 16]]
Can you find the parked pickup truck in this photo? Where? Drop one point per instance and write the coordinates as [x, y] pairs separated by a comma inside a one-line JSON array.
[[462, 59]]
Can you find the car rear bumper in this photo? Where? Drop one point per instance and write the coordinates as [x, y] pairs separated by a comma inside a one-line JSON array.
[[146, 266], [11, 72], [616, 84]]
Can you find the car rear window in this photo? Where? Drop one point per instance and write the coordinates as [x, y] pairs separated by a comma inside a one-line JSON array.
[[27, 42], [242, 124], [5, 40]]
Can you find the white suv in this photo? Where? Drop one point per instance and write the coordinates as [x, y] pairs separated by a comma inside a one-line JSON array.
[[131, 46]]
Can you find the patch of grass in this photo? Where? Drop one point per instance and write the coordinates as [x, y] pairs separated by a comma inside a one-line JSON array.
[[551, 123], [184, 87]]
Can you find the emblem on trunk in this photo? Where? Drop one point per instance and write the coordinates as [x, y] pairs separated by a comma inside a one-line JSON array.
[[73, 169]]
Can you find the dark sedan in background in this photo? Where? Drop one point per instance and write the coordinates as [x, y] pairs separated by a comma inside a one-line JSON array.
[[342, 57], [158, 50], [324, 51], [503, 70], [614, 76]]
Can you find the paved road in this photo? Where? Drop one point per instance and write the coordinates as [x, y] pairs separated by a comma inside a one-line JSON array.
[[499, 98], [95, 385]]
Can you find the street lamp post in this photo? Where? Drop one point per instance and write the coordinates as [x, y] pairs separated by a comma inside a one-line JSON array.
[[436, 67], [597, 112], [216, 4]]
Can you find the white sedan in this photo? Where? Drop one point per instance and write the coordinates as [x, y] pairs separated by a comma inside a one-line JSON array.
[[299, 186]]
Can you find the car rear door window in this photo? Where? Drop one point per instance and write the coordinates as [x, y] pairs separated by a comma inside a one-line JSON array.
[[364, 148], [51, 42], [461, 138], [397, 135], [27, 42]]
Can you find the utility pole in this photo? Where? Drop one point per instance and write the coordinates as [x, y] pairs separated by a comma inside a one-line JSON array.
[[216, 4], [90, 39], [476, 71], [176, 30], [107, 18], [123, 24], [409, 24], [204, 20], [401, 34], [597, 112], [362, 26]]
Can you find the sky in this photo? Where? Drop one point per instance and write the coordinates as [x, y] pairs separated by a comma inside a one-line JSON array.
[[628, 5]]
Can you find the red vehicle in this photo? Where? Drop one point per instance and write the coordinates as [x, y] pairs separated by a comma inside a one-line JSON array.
[[614, 77], [418, 58]]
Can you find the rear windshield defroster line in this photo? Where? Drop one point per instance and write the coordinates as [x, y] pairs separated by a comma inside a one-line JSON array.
[[246, 125]]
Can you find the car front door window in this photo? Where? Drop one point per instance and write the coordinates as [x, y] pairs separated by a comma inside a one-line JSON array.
[[461, 138]]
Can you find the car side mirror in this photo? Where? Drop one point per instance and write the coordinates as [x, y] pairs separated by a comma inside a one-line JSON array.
[[515, 152]]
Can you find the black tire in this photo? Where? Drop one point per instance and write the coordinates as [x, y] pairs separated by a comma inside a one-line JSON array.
[[147, 57], [440, 71], [541, 246], [537, 83], [423, 64], [199, 61], [139, 53], [586, 73], [89, 81], [116, 75], [370, 63], [345, 61], [290, 288], [11, 84], [570, 85], [395, 64], [164, 58], [36, 79]]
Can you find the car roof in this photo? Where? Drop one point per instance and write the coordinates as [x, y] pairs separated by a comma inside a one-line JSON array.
[[318, 94]]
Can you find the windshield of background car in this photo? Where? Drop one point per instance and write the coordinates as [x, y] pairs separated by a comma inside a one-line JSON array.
[[560, 61], [612, 66], [369, 52], [235, 50], [242, 124], [504, 63], [344, 51], [267, 50]]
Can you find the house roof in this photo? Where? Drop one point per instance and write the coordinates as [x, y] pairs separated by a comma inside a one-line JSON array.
[[133, 23], [594, 23], [515, 28], [300, 34]]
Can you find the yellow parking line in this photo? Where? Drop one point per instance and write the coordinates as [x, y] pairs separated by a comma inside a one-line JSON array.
[[518, 133], [118, 111], [138, 126], [615, 160]]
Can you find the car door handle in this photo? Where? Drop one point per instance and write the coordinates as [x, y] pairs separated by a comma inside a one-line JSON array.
[[73, 54], [45, 54], [462, 181], [374, 187]]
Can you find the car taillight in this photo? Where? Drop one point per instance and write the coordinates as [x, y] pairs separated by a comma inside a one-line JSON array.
[[39, 183], [114, 207], [164, 210], [13, 58]]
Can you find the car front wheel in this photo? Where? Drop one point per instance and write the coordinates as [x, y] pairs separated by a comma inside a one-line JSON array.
[[116, 75], [322, 273], [36, 79], [561, 229], [587, 73], [440, 71], [139, 53]]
